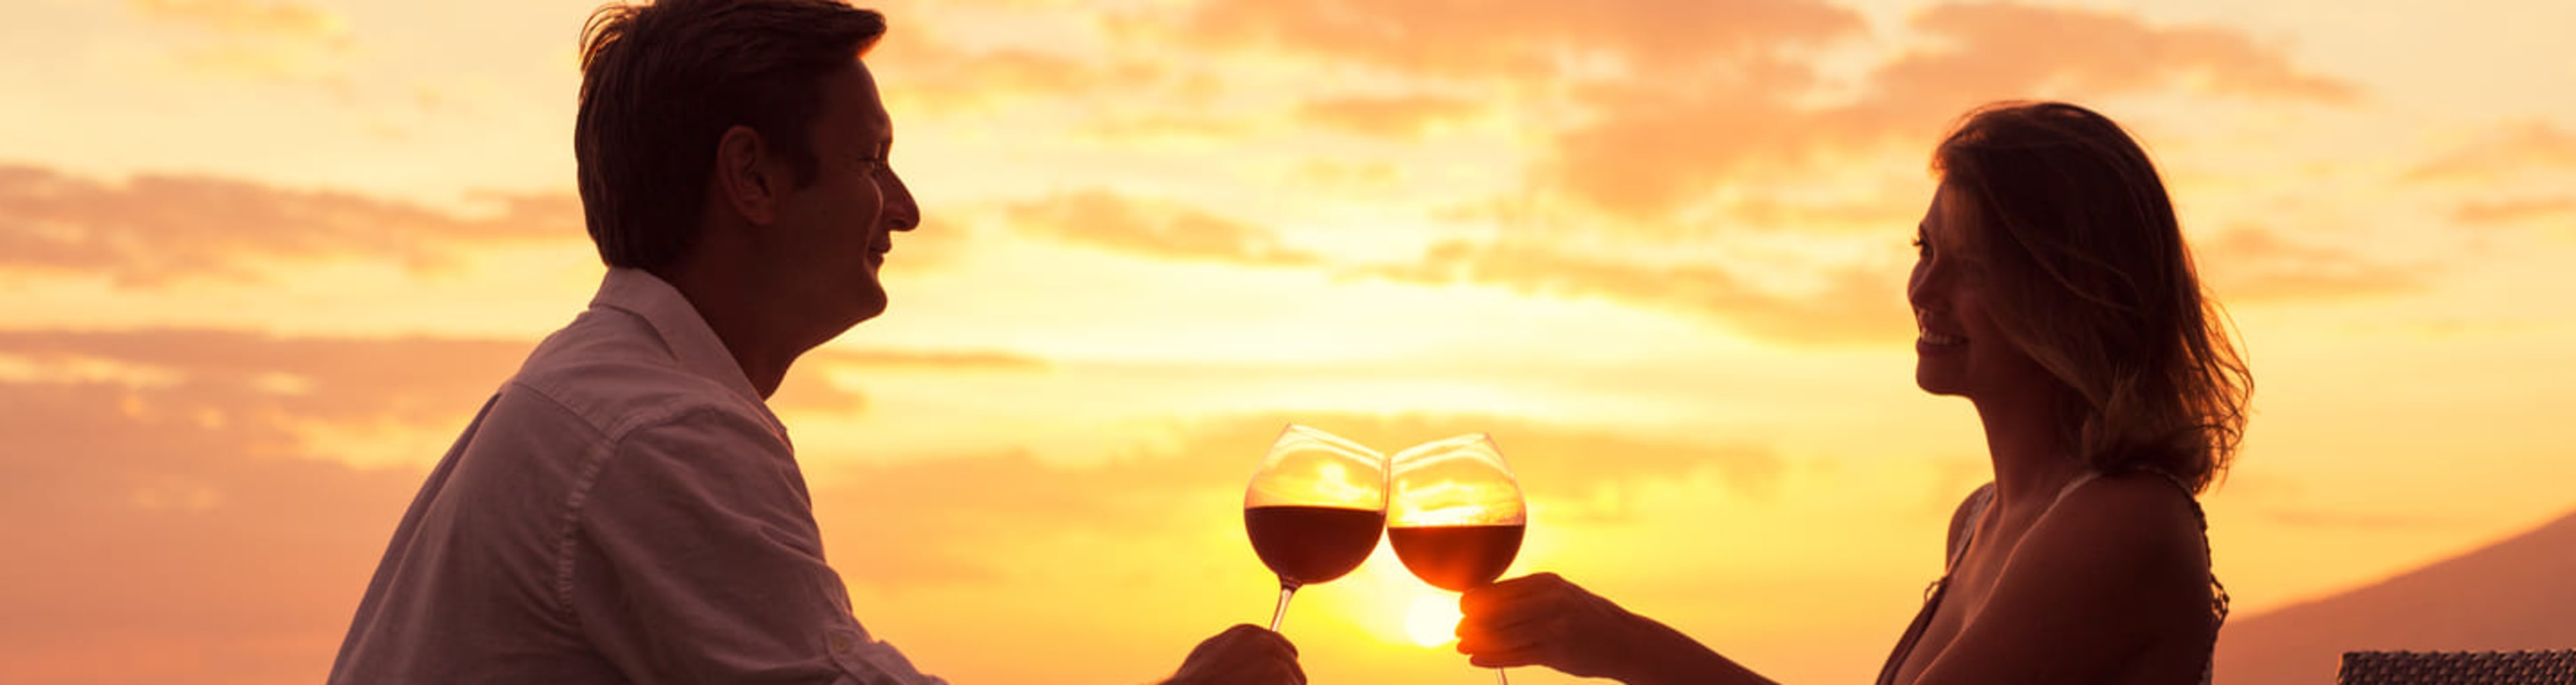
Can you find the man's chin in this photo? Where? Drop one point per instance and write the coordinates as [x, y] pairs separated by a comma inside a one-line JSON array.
[[869, 307]]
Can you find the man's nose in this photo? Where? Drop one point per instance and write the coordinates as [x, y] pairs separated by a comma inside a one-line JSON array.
[[902, 214]]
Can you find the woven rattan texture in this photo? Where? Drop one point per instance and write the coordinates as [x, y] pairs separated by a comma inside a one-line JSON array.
[[2550, 667]]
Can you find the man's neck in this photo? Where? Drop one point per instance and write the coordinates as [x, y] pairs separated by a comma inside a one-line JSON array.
[[762, 343]]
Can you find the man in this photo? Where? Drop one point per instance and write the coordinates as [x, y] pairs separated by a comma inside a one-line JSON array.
[[626, 508]]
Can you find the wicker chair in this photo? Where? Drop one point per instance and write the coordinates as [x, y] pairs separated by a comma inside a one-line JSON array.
[[2551, 667]]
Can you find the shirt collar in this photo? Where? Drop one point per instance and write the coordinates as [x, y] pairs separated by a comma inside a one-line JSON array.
[[687, 335]]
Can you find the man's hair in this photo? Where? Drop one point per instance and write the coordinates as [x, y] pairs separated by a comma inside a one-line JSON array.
[[662, 82], [2091, 278]]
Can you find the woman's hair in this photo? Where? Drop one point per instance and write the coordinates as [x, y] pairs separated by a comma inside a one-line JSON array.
[[2092, 280], [661, 82]]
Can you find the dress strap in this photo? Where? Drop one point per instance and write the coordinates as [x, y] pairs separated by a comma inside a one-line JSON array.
[[1964, 529], [2080, 479], [2218, 599]]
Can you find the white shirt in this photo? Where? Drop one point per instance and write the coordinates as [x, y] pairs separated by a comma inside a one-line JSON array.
[[625, 510]]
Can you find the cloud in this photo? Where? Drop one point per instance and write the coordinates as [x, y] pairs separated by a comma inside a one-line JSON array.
[[1980, 52], [924, 360], [2254, 264], [942, 78], [1516, 39], [244, 17], [2515, 211], [260, 40], [1101, 218], [175, 460], [160, 492], [1676, 102], [2370, 520], [1659, 146], [1853, 306], [811, 387], [1391, 117], [180, 488], [293, 396], [2507, 152], [264, 384], [1011, 500], [145, 528], [153, 229]]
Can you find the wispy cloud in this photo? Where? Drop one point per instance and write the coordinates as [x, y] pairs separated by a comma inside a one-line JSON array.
[[279, 39], [1982, 51], [246, 17], [253, 380], [942, 77], [927, 360], [202, 463], [2251, 263], [2365, 520], [1853, 306], [1403, 116], [1660, 145], [2506, 152], [999, 500], [256, 560], [181, 460], [284, 391], [2515, 211], [156, 228], [1106, 219], [1516, 39]]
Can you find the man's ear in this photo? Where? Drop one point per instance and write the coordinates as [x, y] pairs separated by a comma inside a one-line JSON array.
[[748, 178]]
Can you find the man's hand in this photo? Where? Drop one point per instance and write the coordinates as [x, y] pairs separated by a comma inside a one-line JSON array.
[[1242, 655]]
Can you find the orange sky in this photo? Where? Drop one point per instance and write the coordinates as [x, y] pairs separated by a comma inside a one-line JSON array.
[[266, 256]]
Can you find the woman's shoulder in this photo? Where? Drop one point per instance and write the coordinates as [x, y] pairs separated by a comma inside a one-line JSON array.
[[1963, 521], [2139, 531], [2138, 503]]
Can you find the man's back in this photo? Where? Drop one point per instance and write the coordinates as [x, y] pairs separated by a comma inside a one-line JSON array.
[[625, 509]]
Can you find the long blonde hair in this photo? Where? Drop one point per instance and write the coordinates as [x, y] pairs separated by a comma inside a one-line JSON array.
[[2098, 287]]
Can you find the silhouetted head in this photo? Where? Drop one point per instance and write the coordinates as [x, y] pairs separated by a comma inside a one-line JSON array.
[[2053, 261], [663, 82]]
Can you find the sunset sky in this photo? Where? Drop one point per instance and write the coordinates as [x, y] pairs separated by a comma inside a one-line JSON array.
[[264, 258]]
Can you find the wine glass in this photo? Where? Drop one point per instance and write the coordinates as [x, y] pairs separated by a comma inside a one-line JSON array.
[[1455, 515], [1314, 509]]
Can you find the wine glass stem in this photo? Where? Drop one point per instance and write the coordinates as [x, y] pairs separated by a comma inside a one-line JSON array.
[[1500, 679], [1287, 588]]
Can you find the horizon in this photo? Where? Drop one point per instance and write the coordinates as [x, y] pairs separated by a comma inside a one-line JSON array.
[[270, 255]]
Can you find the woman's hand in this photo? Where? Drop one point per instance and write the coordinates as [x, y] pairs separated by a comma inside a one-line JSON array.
[[1545, 620]]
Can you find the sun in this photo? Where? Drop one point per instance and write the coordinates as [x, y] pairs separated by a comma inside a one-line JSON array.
[[1433, 621]]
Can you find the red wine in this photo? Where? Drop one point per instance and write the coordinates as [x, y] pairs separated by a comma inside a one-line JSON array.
[[1312, 544], [1456, 558]]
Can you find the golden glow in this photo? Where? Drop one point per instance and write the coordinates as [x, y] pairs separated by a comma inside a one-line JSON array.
[[1432, 621], [1661, 262]]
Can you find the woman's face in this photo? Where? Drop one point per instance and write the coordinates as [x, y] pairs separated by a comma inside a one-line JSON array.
[[1958, 349]]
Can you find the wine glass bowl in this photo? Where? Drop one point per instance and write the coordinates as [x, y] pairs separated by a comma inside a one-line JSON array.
[[1455, 515], [1314, 508]]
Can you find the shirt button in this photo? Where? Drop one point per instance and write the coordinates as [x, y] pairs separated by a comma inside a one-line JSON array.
[[840, 643]]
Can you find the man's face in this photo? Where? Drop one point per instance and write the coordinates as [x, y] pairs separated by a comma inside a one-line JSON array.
[[835, 232]]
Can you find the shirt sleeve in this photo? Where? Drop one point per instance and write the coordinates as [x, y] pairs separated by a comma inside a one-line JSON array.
[[696, 559]]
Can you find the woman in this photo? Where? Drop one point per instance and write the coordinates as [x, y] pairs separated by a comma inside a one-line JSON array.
[[2054, 292]]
